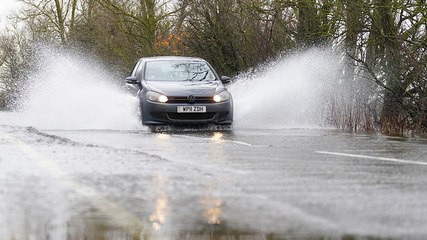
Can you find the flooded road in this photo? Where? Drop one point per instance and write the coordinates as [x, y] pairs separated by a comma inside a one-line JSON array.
[[240, 184]]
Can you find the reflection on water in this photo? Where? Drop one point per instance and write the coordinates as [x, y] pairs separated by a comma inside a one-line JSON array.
[[158, 217], [75, 217], [163, 136], [217, 137], [90, 223], [213, 210]]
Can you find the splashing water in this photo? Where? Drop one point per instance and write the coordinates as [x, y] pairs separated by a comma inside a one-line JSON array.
[[290, 93], [70, 92]]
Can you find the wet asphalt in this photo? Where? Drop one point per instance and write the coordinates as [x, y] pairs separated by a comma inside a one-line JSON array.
[[209, 184]]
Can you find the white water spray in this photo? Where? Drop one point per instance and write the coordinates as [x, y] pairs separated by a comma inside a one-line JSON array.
[[70, 92], [290, 93]]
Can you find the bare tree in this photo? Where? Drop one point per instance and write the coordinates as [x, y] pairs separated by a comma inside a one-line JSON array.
[[143, 20], [15, 53], [50, 18]]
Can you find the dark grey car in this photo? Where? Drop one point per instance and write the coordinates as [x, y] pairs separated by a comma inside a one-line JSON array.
[[181, 90]]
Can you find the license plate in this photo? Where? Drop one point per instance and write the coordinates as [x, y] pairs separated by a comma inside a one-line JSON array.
[[191, 109]]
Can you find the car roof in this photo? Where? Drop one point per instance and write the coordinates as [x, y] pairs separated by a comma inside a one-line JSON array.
[[161, 58]]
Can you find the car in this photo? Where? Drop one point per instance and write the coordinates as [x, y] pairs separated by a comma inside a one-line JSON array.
[[181, 90]]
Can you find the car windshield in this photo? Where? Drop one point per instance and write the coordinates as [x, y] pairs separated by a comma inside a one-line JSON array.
[[178, 71]]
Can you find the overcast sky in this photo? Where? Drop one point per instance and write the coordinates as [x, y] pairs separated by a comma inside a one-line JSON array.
[[6, 7]]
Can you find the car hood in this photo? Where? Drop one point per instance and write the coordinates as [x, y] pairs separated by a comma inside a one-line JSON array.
[[185, 88]]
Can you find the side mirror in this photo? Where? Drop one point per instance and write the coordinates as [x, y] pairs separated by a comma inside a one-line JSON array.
[[131, 80], [225, 79]]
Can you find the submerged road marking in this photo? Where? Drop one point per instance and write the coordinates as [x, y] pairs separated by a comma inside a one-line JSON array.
[[374, 158], [123, 218]]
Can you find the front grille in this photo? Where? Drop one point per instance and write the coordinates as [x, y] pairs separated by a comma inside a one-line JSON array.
[[197, 100], [191, 116]]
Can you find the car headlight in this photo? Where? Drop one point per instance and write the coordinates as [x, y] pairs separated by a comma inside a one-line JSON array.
[[222, 97], [156, 97]]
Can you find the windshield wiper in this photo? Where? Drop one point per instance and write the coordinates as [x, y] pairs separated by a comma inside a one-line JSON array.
[[197, 73], [204, 77]]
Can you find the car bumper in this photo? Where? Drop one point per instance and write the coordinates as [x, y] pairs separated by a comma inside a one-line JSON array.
[[166, 113]]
